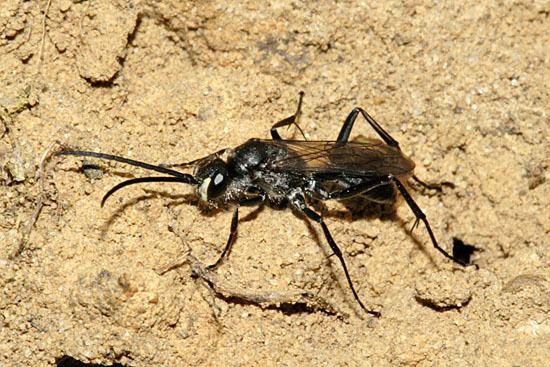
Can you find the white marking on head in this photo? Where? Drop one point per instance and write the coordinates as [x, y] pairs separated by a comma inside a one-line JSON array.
[[203, 189]]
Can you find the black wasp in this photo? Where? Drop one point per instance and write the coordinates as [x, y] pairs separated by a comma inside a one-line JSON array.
[[284, 173]]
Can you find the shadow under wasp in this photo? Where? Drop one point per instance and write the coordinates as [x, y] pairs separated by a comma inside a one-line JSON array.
[[294, 173]]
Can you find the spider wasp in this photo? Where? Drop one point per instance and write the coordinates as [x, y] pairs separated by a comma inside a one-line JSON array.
[[292, 173]]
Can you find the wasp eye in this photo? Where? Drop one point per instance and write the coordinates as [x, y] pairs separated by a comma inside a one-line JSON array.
[[217, 185], [215, 179]]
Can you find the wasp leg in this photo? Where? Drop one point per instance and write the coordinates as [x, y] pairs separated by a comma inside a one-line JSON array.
[[379, 191], [257, 198], [343, 136], [420, 216], [289, 121], [300, 204], [230, 240], [359, 189]]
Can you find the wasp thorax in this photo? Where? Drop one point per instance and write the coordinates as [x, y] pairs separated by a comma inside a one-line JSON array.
[[213, 177]]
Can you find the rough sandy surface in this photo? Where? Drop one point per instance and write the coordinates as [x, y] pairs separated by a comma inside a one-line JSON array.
[[464, 88]]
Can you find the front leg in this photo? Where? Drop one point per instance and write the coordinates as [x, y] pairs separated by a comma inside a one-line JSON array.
[[230, 240], [252, 196]]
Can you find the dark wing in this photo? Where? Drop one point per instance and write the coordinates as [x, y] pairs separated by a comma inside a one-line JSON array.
[[367, 158]]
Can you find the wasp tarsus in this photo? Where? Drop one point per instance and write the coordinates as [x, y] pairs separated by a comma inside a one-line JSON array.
[[293, 173]]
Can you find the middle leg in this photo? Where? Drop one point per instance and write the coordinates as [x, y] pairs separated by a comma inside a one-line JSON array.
[[299, 203], [291, 120]]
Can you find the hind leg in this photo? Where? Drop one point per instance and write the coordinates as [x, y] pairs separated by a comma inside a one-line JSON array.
[[343, 136]]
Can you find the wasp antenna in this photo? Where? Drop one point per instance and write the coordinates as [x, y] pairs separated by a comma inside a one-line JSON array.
[[132, 162], [139, 180]]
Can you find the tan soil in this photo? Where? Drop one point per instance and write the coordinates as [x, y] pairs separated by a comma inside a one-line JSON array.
[[464, 88]]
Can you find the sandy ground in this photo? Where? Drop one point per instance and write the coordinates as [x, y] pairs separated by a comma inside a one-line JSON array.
[[464, 88]]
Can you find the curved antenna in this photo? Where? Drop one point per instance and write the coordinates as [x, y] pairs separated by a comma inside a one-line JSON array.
[[218, 154], [83, 153], [138, 180]]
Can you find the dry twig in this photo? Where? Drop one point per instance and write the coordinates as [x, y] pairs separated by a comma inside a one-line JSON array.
[[268, 299], [39, 203], [43, 40]]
